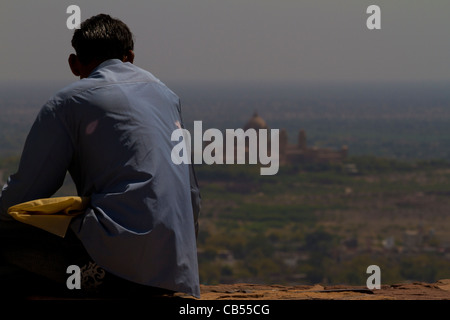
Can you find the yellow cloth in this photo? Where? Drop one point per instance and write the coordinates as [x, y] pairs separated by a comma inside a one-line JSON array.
[[50, 214]]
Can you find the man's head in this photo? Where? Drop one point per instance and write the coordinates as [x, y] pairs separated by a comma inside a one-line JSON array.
[[100, 38]]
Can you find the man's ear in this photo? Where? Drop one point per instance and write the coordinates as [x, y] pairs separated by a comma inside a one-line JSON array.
[[128, 57], [74, 64]]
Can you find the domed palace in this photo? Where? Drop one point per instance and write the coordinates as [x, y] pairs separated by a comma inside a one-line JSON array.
[[299, 152], [256, 122]]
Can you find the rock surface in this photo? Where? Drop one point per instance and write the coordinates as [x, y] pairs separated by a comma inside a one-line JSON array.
[[439, 290]]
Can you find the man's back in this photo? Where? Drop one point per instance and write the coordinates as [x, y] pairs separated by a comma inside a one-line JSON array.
[[113, 133]]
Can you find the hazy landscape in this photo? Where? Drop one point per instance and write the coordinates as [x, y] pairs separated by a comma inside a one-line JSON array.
[[386, 204]]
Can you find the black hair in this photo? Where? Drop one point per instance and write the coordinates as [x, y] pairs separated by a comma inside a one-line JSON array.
[[102, 37]]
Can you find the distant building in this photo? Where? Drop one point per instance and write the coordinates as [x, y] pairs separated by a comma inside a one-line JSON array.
[[256, 122], [288, 153], [300, 152]]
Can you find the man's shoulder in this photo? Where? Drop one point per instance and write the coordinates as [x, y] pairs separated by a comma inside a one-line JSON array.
[[156, 83], [72, 90], [147, 76], [110, 76]]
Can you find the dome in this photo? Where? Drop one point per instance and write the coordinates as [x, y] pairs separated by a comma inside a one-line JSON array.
[[256, 122]]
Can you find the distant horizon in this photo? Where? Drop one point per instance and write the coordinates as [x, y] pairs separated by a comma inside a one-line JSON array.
[[400, 120], [218, 84]]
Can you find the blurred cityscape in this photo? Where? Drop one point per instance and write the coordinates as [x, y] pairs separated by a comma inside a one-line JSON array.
[[364, 179]]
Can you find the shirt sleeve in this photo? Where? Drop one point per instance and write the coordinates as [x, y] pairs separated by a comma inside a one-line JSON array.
[[44, 162], [196, 198]]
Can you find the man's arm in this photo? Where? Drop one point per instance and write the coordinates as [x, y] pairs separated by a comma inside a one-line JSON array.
[[43, 165], [195, 197]]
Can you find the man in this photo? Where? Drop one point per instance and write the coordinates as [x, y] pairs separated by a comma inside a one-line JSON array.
[[111, 130]]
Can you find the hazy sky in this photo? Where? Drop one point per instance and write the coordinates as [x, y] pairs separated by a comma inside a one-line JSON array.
[[241, 40]]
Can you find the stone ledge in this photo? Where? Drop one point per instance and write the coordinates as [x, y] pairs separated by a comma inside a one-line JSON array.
[[439, 290]]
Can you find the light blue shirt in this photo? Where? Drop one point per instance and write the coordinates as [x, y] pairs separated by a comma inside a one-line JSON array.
[[112, 132]]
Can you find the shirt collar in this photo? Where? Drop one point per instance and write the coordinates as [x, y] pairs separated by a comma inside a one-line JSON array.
[[104, 64]]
